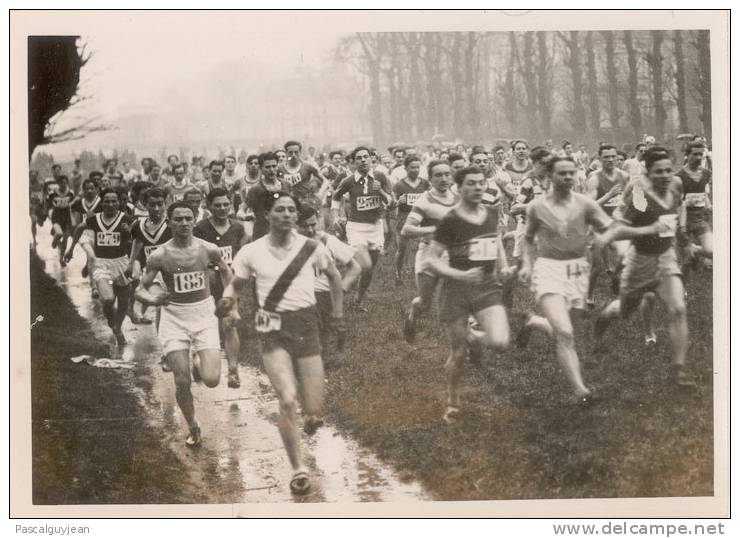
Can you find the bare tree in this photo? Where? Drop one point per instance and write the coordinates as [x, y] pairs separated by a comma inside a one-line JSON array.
[[680, 76], [593, 85], [655, 62], [704, 79], [611, 78], [633, 104], [544, 83], [573, 60], [508, 91]]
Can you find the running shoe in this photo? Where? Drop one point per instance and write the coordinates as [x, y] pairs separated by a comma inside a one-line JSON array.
[[234, 382], [194, 438], [120, 339], [312, 424]]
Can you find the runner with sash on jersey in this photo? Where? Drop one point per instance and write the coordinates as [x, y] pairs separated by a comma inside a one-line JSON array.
[[469, 235], [405, 193], [187, 318], [422, 222], [229, 236], [110, 245], [368, 193], [605, 186], [284, 265], [652, 204]]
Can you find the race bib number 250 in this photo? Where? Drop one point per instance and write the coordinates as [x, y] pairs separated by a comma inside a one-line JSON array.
[[108, 239], [187, 282]]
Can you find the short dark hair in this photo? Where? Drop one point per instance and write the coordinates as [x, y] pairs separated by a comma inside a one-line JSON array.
[[178, 205], [460, 175], [53, 166], [252, 158], [550, 164], [622, 154], [172, 155], [215, 193], [356, 150], [267, 156], [154, 192], [410, 159], [519, 141], [498, 147], [691, 146], [539, 153], [193, 191], [639, 145], [95, 174], [109, 191], [335, 152], [292, 143], [604, 147], [567, 143], [306, 212], [139, 186], [436, 162], [452, 157], [215, 162], [91, 182], [655, 154]]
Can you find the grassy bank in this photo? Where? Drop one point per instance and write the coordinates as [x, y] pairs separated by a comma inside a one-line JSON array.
[[88, 449]]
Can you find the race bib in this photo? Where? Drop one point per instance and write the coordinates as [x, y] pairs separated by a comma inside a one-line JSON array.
[[292, 179], [187, 282], [226, 254], [108, 239], [483, 249], [60, 203], [148, 250], [695, 199], [412, 197], [672, 222], [366, 203], [265, 322]]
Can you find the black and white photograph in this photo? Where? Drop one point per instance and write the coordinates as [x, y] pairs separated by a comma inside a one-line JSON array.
[[333, 261]]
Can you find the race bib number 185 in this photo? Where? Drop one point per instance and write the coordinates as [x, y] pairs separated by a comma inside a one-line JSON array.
[[187, 282]]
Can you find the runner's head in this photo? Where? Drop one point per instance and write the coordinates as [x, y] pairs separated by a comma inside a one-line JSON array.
[[281, 156], [230, 163], [146, 164], [621, 158], [181, 218], [608, 157], [471, 184], [293, 151], [440, 175], [499, 154], [308, 219], [562, 173], [694, 153], [361, 157], [659, 167], [154, 200], [282, 212], [640, 151], [172, 160], [179, 172], [253, 164], [109, 201], [568, 147], [56, 170], [63, 182], [219, 203], [399, 154], [138, 190], [194, 199], [480, 158], [540, 155], [154, 172], [89, 189], [412, 164], [456, 162], [216, 168], [269, 164], [520, 149]]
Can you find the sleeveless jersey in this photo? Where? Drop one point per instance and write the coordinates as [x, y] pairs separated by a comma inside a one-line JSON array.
[[60, 207], [300, 180], [470, 245], [517, 175], [641, 208], [228, 243], [177, 192], [151, 239], [605, 185], [85, 208], [695, 188], [365, 206], [186, 277], [412, 195], [113, 239]]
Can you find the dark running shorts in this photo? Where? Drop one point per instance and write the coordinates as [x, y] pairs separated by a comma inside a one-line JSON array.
[[459, 300], [697, 223], [298, 334], [323, 305]]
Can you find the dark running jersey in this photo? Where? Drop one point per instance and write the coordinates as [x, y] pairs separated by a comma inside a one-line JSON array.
[[640, 207], [470, 245], [365, 205], [605, 185], [151, 238], [412, 195], [695, 188], [111, 240], [300, 180], [228, 243], [60, 205], [85, 208]]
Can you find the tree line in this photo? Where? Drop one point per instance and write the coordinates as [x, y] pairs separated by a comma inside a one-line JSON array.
[[587, 86]]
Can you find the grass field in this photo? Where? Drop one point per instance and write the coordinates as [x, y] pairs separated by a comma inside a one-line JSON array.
[[521, 437]]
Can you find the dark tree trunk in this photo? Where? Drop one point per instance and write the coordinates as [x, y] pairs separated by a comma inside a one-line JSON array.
[[655, 61], [633, 104], [530, 86], [470, 86], [508, 92], [544, 85], [574, 63], [611, 78], [455, 53], [433, 80], [593, 86], [704, 83], [683, 117]]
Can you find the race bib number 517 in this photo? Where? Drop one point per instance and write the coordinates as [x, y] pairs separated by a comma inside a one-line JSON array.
[[187, 282]]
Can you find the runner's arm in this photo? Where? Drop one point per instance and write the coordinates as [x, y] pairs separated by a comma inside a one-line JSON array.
[[214, 257], [136, 246], [79, 229], [413, 228], [336, 289], [142, 293], [437, 264]]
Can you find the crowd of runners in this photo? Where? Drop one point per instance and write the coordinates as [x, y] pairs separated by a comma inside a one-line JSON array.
[[290, 233]]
